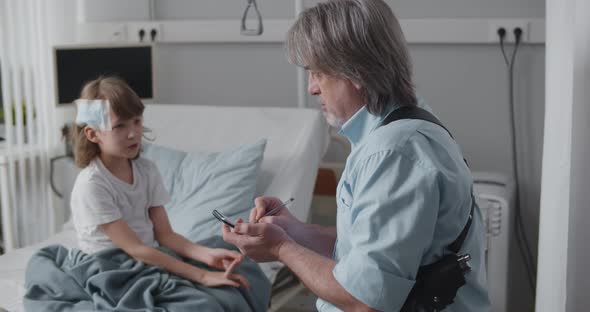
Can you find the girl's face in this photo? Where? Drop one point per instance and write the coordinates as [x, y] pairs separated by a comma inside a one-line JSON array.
[[124, 140]]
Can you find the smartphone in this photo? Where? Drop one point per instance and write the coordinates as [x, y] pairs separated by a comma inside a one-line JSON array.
[[219, 216]]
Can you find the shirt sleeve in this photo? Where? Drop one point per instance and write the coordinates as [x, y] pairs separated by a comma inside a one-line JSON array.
[[392, 220], [93, 204], [159, 196]]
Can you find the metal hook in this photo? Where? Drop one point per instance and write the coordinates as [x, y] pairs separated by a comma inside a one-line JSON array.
[[251, 32]]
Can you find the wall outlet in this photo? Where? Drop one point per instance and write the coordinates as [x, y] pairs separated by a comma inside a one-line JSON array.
[[509, 25], [146, 32]]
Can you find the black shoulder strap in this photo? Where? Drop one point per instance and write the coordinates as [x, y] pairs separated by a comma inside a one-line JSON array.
[[414, 112], [456, 245]]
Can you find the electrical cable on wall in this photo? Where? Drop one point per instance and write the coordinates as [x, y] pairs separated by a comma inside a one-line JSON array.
[[521, 238], [51, 172], [66, 136]]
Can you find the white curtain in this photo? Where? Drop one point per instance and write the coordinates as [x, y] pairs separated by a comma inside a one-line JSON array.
[[29, 109], [563, 275]]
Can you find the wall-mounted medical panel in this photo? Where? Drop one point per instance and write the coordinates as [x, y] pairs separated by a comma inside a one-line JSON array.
[[417, 31]]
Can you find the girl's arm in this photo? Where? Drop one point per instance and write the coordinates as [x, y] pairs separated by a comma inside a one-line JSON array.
[[125, 238], [218, 257]]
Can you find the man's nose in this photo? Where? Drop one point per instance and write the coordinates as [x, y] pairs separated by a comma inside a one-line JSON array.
[[312, 85]]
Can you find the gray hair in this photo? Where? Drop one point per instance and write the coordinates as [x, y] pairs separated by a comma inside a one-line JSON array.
[[359, 40]]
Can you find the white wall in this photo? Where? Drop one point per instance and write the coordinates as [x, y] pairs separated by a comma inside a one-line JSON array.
[[466, 8], [113, 10], [225, 74], [465, 84]]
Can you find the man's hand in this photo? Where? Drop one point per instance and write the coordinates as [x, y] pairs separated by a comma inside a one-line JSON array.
[[282, 218], [266, 204], [316, 238], [259, 241]]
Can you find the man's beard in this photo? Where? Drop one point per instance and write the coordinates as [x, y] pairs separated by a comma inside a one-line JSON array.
[[333, 121]]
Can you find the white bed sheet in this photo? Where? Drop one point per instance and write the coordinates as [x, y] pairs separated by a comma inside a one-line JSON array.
[[13, 265], [297, 140]]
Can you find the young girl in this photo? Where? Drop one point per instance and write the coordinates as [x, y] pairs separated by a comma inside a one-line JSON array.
[[118, 198]]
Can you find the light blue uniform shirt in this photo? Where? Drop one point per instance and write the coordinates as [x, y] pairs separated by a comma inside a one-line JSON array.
[[404, 196]]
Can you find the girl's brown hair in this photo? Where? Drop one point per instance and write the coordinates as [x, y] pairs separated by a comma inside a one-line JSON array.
[[124, 102]]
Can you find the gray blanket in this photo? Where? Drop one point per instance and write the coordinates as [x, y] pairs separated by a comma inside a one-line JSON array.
[[58, 279]]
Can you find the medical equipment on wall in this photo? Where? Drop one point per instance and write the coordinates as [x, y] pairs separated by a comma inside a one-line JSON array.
[[244, 30], [495, 197], [251, 31]]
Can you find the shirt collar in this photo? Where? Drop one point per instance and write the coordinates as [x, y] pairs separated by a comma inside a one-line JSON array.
[[362, 123]]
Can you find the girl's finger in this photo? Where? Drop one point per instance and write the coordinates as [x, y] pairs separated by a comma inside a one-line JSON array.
[[231, 283], [231, 255], [230, 268], [229, 260], [241, 279]]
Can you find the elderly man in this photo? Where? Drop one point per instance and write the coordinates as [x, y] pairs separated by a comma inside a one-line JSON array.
[[404, 199]]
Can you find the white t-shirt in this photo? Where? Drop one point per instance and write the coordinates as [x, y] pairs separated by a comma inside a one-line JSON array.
[[98, 197]]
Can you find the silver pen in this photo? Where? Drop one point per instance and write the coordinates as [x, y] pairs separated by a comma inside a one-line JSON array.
[[276, 209]]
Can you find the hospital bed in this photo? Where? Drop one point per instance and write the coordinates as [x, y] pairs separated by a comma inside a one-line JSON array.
[[296, 141]]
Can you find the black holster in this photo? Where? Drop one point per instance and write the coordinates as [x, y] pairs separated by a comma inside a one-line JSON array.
[[437, 285]]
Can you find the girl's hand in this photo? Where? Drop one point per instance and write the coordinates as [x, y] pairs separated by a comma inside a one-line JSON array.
[[215, 279], [223, 259]]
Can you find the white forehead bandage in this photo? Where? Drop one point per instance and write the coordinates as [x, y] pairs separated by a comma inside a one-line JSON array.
[[94, 113]]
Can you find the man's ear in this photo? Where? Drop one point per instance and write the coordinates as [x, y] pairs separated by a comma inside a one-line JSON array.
[[356, 85], [91, 135]]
